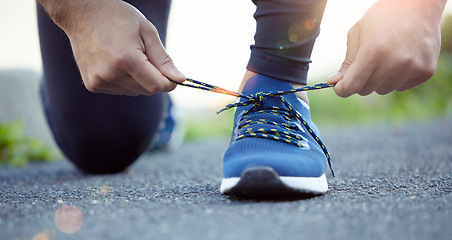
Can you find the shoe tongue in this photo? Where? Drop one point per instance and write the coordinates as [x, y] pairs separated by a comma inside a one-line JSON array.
[[260, 83]]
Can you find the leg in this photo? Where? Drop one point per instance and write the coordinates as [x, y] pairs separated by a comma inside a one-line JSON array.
[[98, 133], [285, 35]]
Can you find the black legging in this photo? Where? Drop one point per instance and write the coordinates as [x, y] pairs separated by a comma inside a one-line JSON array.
[[104, 133]]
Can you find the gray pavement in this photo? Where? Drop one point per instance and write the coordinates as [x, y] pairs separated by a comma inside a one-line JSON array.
[[393, 182]]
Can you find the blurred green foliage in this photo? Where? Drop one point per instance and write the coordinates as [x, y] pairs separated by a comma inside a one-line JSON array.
[[17, 149], [208, 125], [446, 34]]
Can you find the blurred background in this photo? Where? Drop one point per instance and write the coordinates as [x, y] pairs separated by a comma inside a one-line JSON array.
[[198, 27]]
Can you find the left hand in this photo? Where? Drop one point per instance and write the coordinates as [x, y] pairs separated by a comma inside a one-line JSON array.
[[394, 46]]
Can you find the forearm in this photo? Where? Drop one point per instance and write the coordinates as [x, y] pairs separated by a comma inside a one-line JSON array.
[[432, 8]]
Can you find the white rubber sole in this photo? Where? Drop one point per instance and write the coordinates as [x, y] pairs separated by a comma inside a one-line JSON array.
[[265, 182]]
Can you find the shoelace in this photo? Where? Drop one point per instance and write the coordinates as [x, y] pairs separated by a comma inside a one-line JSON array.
[[257, 100]]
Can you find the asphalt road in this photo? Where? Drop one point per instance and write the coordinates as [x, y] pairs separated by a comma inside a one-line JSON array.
[[393, 182]]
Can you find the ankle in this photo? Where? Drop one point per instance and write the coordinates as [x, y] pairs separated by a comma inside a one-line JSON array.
[[301, 95], [249, 74]]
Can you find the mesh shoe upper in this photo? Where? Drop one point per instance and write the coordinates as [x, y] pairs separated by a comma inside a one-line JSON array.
[[272, 118]]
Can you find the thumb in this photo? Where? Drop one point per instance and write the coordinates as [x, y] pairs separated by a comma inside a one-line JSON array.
[[157, 55], [350, 56], [166, 66]]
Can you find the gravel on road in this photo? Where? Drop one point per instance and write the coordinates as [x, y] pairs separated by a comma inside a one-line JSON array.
[[394, 181]]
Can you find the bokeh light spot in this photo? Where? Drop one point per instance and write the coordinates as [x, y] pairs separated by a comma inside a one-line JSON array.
[[68, 219], [310, 24], [282, 46], [41, 236], [104, 190], [297, 32]]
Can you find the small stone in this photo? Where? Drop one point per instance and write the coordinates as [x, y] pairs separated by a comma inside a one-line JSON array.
[[60, 201]]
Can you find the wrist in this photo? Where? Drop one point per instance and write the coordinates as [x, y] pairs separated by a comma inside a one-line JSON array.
[[70, 14], [433, 9]]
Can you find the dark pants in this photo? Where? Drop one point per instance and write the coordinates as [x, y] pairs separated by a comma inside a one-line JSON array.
[[103, 133]]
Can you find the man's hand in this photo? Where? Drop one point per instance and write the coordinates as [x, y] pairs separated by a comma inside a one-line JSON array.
[[117, 49], [394, 46]]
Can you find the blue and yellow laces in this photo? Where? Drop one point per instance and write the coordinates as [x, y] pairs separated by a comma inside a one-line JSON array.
[[257, 100]]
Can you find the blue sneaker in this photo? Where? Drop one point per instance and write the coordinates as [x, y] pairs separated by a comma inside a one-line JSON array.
[[170, 134], [275, 151]]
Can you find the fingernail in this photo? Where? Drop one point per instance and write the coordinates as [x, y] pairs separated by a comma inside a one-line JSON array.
[[177, 72]]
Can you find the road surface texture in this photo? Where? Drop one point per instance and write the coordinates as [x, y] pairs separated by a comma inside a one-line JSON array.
[[393, 182]]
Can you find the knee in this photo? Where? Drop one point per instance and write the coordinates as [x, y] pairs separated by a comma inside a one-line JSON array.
[[105, 153]]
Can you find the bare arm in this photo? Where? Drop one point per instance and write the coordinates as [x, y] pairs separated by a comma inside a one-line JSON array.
[[118, 51], [394, 46]]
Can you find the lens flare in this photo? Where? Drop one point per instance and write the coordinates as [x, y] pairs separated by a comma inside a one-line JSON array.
[[301, 30], [104, 190], [310, 24], [282, 46], [296, 32], [41, 236], [68, 219]]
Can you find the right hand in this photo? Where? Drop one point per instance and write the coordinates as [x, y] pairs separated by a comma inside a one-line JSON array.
[[394, 47], [118, 51]]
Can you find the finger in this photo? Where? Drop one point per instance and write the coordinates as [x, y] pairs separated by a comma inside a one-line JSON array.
[[411, 83], [415, 79], [355, 77], [390, 86], [380, 80], [350, 55], [370, 85], [102, 86], [115, 81], [403, 80], [158, 56], [149, 77], [391, 83], [131, 84]]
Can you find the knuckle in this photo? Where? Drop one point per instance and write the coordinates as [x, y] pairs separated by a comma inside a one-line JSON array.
[[341, 92], [105, 77], [165, 59], [347, 63], [123, 60], [365, 93], [353, 31], [94, 86], [429, 70], [150, 29], [353, 87], [155, 88], [382, 91], [422, 70]]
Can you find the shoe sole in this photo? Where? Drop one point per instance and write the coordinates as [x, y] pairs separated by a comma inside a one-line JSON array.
[[264, 182]]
